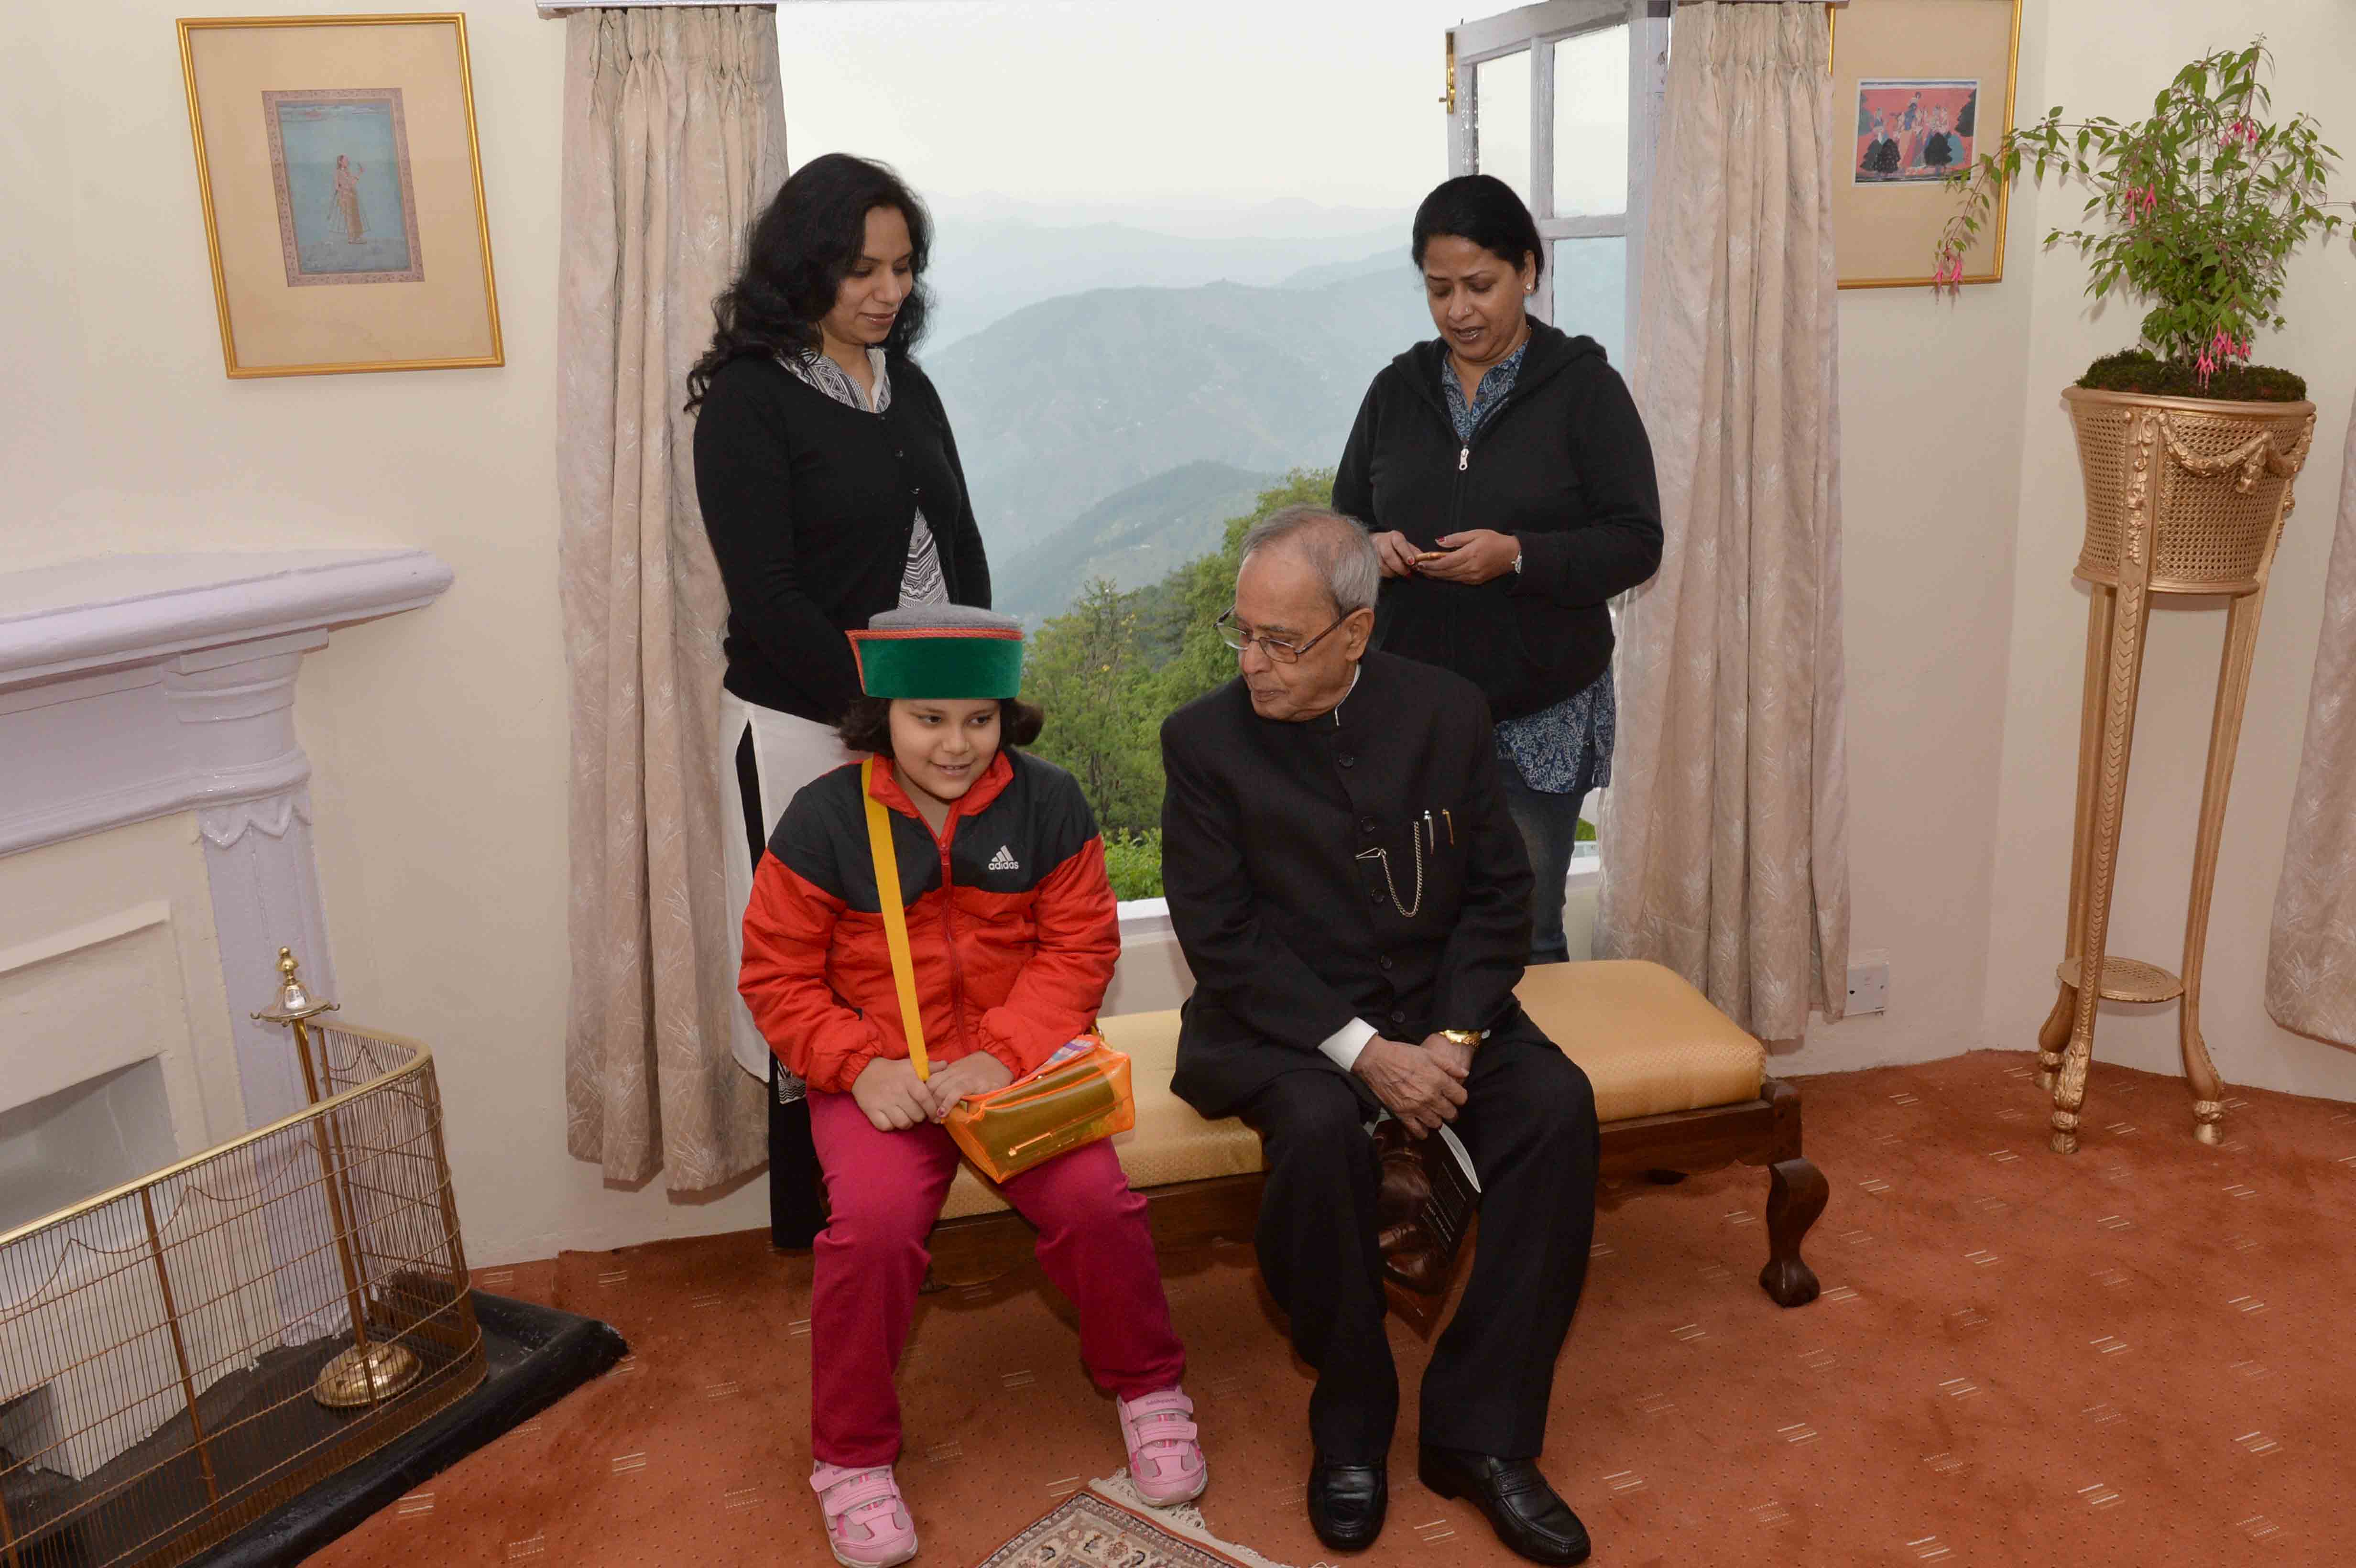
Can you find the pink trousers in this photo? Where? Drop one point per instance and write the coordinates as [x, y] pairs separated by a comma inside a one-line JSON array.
[[884, 1190]]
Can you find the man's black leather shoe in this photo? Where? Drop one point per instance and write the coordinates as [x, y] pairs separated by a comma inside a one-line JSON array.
[[1346, 1503], [1523, 1509]]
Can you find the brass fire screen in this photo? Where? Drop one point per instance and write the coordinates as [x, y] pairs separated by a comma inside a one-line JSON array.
[[160, 1344]]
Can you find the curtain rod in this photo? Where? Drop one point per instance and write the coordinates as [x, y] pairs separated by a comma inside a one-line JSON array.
[[565, 7]]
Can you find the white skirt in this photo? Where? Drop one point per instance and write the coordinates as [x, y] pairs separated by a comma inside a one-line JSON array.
[[787, 752]]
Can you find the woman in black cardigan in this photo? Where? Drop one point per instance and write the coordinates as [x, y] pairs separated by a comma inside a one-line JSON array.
[[1509, 488], [830, 489]]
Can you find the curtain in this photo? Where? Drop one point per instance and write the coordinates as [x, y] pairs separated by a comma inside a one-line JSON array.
[[674, 138], [1725, 854], [2311, 963]]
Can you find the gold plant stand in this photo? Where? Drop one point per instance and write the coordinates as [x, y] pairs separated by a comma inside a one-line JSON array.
[[2185, 496]]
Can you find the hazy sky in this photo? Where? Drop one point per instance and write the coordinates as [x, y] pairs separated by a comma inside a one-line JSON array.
[[1118, 101]]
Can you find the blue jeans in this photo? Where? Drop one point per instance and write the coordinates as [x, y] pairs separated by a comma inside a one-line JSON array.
[[1550, 828]]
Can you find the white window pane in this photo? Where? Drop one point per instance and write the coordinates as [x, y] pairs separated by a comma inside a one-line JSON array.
[[1591, 292], [1590, 123], [1501, 120]]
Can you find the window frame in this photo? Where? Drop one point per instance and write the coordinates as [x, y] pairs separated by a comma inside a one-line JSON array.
[[1538, 29]]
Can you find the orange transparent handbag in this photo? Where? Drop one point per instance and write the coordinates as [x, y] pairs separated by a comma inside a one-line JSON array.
[[1078, 1095], [1076, 1099]]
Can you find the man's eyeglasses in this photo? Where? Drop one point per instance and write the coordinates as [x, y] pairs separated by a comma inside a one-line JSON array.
[[1276, 648]]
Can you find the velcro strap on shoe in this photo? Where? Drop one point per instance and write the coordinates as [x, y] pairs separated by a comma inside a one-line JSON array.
[[1166, 1433], [847, 1497]]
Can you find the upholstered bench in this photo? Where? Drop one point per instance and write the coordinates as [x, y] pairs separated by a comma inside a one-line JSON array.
[[1678, 1088]]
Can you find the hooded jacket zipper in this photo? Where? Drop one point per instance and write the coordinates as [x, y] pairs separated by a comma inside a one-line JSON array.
[[948, 924], [1464, 446], [949, 931]]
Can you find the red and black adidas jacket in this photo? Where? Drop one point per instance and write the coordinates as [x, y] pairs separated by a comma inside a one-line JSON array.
[[1011, 923]]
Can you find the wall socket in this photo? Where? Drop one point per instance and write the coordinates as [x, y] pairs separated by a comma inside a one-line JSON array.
[[1868, 984]]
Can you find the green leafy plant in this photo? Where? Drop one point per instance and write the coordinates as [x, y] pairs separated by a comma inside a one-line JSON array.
[[1133, 864], [2195, 211], [1111, 667]]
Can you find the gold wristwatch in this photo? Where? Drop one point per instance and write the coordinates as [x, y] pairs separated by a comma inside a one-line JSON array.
[[1470, 1038]]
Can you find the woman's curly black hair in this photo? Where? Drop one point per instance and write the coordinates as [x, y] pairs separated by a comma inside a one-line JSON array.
[[867, 724], [802, 247]]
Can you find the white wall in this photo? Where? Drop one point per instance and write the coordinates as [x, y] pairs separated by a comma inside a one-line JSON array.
[[1931, 432], [440, 737], [2100, 66]]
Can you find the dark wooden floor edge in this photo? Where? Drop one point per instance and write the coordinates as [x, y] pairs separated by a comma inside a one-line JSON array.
[[560, 1352]]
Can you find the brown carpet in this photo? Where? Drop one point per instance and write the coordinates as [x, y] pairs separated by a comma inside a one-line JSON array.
[[2135, 1355]]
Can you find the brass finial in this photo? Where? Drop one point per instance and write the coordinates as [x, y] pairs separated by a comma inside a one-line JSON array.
[[293, 1002]]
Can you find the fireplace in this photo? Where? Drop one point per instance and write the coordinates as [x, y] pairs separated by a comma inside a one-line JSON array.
[[154, 854]]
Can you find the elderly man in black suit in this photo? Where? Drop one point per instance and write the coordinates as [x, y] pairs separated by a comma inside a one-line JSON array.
[[1353, 901]]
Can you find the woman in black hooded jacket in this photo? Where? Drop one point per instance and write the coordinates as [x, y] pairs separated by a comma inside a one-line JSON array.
[[1506, 480]]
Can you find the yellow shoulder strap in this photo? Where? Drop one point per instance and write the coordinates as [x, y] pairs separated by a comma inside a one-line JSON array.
[[896, 918]]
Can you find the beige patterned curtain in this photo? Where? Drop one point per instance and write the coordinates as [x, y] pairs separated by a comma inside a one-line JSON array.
[[1725, 849], [2311, 964], [674, 138]]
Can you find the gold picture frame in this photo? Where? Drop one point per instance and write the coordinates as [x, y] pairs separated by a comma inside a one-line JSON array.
[[1912, 71], [341, 177]]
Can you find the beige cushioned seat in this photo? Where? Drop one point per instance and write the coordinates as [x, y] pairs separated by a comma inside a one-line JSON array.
[[1170, 1142], [1650, 1043]]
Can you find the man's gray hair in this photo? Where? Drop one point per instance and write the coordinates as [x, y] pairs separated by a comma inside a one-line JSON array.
[[1334, 543]]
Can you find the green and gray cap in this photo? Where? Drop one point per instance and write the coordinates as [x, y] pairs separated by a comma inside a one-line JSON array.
[[950, 652]]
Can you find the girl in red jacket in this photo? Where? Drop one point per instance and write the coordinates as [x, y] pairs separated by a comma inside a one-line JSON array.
[[1012, 927]]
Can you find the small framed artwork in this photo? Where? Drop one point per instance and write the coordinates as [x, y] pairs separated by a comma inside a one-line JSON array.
[[1930, 83], [342, 186]]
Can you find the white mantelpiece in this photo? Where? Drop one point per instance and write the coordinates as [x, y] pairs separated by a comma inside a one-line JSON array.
[[135, 687]]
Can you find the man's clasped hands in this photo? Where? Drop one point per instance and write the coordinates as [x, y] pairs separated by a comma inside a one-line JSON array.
[[1422, 1084]]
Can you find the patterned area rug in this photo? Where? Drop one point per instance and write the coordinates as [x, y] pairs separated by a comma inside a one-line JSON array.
[[1109, 1526]]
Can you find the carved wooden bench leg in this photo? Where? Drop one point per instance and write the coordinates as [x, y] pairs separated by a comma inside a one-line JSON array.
[[1796, 1193]]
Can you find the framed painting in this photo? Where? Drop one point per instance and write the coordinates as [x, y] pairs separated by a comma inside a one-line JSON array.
[[342, 186], [1930, 83]]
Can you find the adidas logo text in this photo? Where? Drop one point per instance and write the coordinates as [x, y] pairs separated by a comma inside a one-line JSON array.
[[1004, 861]]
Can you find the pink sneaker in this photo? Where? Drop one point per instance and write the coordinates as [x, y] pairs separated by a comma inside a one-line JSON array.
[[1165, 1462], [867, 1525]]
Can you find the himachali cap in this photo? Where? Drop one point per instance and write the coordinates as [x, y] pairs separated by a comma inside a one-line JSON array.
[[946, 650]]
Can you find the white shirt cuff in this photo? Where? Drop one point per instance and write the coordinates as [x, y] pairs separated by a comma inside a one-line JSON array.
[[1345, 1043]]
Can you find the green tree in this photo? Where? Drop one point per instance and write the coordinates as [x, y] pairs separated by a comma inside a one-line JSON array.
[[1087, 669], [1110, 669], [1199, 592]]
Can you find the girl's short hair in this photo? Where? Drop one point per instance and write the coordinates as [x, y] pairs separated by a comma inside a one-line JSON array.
[[1483, 209], [867, 724]]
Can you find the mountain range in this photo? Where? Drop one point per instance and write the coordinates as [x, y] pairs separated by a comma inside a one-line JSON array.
[[1066, 402], [1108, 431], [983, 271], [1133, 536]]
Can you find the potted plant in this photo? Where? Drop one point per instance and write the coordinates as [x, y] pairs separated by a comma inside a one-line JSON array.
[[2196, 213], [2188, 451]]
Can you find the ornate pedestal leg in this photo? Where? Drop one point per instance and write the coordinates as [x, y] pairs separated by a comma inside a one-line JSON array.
[[2054, 1034], [2122, 673], [2225, 736]]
